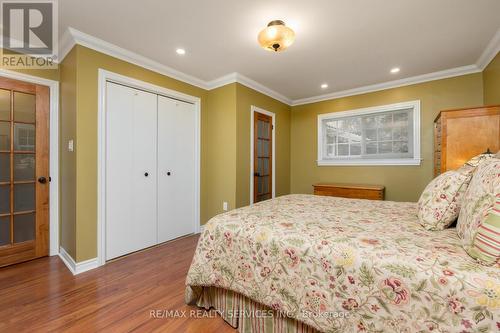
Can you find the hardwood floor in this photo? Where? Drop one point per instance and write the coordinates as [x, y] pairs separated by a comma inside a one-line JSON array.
[[42, 295]]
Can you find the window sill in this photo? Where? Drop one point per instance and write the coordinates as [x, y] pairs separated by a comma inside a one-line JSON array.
[[370, 162]]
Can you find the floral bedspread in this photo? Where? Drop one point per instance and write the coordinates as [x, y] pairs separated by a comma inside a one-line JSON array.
[[344, 265]]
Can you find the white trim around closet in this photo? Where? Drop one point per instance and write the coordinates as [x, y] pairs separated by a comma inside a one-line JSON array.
[[53, 153], [107, 76], [254, 109]]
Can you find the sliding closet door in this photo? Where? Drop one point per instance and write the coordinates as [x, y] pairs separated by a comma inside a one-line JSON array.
[[176, 168], [131, 170]]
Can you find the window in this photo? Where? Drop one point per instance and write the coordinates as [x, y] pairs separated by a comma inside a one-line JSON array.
[[382, 135]]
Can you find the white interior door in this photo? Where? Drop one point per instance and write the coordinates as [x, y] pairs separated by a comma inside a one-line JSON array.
[[131, 170], [176, 168]]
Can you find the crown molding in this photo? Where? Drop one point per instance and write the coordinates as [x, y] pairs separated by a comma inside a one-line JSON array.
[[65, 45], [72, 37], [222, 81], [490, 52], [80, 38], [241, 79], [246, 81], [464, 70]]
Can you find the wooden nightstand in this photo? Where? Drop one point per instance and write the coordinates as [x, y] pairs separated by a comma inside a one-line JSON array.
[[353, 191]]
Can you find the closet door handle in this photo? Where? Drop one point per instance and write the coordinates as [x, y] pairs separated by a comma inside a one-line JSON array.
[[169, 173], [146, 174]]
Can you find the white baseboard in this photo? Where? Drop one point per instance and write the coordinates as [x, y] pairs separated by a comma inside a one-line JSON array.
[[77, 267]]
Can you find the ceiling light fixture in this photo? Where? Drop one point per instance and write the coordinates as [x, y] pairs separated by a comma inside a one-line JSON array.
[[395, 70], [180, 51], [276, 36], [324, 86]]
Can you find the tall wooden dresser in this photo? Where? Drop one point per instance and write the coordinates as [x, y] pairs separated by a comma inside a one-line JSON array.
[[464, 133]]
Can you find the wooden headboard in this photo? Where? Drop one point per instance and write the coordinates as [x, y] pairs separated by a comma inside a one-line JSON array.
[[464, 133]]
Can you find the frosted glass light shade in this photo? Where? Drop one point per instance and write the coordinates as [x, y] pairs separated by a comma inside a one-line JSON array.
[[276, 36]]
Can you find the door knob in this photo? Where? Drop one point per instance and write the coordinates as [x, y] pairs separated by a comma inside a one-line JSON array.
[[168, 173], [42, 180], [146, 174]]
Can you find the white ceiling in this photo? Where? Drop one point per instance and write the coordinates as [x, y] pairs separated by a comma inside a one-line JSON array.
[[345, 43]]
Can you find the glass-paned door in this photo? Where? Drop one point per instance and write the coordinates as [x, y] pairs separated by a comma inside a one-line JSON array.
[[263, 159], [24, 154]]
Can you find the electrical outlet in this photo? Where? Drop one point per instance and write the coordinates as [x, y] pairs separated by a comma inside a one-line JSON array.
[[225, 206], [71, 145]]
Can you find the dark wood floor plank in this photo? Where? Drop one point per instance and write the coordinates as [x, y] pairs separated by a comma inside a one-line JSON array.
[[42, 295]]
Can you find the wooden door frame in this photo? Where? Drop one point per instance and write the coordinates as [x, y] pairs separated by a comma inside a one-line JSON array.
[[105, 76], [53, 151], [253, 110]]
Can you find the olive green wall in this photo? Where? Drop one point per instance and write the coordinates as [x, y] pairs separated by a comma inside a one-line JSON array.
[[50, 74], [228, 146], [220, 143], [67, 160], [491, 82], [403, 183], [245, 98]]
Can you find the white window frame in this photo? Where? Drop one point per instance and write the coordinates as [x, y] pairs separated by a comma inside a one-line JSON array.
[[415, 160]]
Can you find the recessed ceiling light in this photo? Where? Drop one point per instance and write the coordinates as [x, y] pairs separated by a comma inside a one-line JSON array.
[[395, 70], [181, 51], [324, 86]]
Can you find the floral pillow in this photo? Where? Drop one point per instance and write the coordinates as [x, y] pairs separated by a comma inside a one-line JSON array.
[[478, 201], [439, 204], [474, 162]]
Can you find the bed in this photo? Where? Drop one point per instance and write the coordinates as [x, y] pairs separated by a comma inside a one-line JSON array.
[[340, 265]]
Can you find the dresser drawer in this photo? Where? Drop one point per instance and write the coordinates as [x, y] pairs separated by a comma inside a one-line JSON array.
[[353, 191]]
